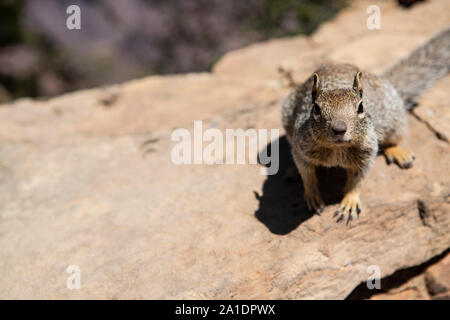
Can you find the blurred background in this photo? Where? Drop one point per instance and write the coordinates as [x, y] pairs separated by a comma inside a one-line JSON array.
[[126, 39], [121, 40]]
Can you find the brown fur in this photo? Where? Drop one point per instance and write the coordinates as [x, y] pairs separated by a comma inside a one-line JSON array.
[[326, 125]]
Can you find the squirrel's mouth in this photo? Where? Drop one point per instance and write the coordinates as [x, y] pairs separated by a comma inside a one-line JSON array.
[[341, 141]]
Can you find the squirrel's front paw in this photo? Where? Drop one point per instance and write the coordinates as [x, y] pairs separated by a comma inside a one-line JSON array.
[[350, 205], [314, 202]]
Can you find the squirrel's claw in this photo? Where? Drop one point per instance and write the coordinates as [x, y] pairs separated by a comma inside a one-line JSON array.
[[314, 203], [350, 206]]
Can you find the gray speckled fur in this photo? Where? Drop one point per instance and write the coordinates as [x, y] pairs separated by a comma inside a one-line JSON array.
[[416, 73], [385, 122], [382, 124]]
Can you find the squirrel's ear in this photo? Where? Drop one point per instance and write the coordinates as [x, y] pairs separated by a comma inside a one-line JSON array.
[[357, 85], [316, 86]]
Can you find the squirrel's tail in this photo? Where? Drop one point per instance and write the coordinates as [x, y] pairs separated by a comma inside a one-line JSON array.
[[422, 68]]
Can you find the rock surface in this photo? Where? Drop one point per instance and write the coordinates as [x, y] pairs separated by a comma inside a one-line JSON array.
[[428, 281], [87, 180], [437, 279]]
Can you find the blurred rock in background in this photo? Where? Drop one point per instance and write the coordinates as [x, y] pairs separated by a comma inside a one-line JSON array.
[[121, 40]]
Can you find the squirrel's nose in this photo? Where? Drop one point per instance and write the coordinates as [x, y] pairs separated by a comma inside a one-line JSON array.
[[339, 127]]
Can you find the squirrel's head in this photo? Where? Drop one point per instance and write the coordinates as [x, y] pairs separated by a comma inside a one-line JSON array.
[[338, 117]]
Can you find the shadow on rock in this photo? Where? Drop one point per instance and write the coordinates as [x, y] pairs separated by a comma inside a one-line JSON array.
[[281, 206]]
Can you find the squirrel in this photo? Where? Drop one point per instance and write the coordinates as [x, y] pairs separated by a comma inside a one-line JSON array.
[[342, 116]]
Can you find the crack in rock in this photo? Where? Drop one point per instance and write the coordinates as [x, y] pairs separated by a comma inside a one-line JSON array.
[[438, 134]]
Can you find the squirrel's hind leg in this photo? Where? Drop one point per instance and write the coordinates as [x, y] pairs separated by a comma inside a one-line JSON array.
[[403, 158], [390, 144]]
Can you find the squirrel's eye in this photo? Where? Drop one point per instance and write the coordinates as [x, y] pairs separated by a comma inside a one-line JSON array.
[[360, 107], [316, 109]]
